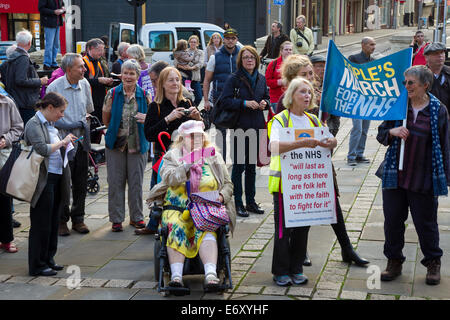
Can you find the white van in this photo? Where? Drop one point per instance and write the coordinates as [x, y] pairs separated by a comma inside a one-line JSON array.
[[160, 37]]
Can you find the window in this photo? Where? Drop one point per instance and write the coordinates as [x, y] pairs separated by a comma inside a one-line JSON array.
[[185, 33], [30, 22], [161, 41], [208, 34], [127, 35]]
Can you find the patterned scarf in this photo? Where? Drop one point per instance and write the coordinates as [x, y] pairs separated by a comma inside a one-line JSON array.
[[390, 173], [195, 173]]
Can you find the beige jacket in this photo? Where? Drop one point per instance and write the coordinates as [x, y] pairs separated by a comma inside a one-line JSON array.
[[11, 124], [174, 173]]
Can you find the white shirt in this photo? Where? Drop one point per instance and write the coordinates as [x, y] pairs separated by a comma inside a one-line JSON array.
[[297, 122]]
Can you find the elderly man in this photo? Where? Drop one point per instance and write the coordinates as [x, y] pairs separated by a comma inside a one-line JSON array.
[[302, 37], [95, 74], [21, 79], [76, 89], [122, 51], [435, 56], [358, 134], [272, 47]]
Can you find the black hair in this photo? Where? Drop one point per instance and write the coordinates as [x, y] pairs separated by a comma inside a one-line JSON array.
[[158, 67], [51, 98]]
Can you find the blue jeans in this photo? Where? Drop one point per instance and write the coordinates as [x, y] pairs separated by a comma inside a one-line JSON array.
[[51, 46], [197, 92], [358, 137]]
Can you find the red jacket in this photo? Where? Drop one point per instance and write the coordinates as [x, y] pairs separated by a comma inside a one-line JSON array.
[[419, 58], [272, 77]]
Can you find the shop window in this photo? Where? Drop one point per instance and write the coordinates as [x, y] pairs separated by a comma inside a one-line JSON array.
[[30, 22]]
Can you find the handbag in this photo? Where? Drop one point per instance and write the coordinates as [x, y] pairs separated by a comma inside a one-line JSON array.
[[20, 174], [225, 118], [4, 155], [207, 214]]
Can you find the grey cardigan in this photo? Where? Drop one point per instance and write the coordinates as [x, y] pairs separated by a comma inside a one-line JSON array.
[[36, 135]]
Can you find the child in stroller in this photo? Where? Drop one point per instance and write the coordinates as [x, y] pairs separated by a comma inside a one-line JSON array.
[[182, 247]]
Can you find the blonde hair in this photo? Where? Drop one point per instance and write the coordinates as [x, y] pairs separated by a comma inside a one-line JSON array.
[[293, 86], [160, 85], [210, 42], [252, 51], [292, 65], [194, 37]]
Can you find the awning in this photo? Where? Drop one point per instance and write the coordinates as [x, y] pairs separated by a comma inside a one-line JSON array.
[[19, 6]]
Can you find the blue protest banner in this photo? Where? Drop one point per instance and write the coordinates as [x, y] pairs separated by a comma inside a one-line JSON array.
[[370, 91]]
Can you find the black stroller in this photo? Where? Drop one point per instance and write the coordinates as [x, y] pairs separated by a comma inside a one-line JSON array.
[[96, 156]]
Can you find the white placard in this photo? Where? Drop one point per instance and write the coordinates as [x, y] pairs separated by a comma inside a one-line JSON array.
[[307, 180]]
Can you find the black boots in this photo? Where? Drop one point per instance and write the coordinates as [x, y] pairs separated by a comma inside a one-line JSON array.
[[349, 255]]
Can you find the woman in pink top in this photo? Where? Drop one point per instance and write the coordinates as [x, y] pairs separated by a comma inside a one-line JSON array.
[[273, 74]]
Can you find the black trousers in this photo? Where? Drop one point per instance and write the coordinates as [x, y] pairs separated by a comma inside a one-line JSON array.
[[339, 228], [288, 252], [79, 171], [43, 237], [423, 209], [6, 228]]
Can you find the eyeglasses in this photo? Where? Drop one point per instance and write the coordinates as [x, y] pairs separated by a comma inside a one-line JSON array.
[[409, 82], [249, 58]]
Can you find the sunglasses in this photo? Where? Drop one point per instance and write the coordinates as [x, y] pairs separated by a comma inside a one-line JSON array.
[[409, 83]]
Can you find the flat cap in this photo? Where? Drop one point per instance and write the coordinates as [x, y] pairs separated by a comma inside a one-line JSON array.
[[434, 47], [317, 58]]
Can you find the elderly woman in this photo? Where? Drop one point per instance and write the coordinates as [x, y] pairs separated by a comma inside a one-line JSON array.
[[206, 174], [290, 245], [53, 187], [124, 113], [301, 66], [424, 177], [11, 127], [214, 44], [273, 74], [137, 53], [252, 99]]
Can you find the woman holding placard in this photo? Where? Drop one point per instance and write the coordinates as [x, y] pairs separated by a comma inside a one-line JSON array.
[[290, 244], [424, 177]]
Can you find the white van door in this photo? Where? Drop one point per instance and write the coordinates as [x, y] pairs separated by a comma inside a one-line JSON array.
[[119, 32]]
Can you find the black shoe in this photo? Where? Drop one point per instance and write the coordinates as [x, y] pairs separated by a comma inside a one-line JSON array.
[[307, 262], [48, 272], [47, 68], [15, 223], [241, 212], [349, 255], [352, 162], [56, 267], [362, 160], [254, 208]]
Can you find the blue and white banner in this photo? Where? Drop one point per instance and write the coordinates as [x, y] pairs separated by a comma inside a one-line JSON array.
[[370, 91]]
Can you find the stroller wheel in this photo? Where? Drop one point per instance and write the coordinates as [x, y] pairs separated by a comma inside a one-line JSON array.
[[93, 187]]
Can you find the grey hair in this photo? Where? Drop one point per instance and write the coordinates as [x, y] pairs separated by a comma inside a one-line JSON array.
[[421, 73], [366, 40], [122, 48], [10, 51], [68, 60], [132, 64], [24, 37], [94, 43], [136, 51]]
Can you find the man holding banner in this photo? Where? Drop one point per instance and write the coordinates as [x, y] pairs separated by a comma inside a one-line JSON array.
[[358, 135]]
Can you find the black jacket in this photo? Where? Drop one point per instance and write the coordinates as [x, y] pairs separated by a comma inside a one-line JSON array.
[[360, 58], [272, 48], [155, 122], [237, 88], [442, 92], [98, 89], [47, 10], [22, 81]]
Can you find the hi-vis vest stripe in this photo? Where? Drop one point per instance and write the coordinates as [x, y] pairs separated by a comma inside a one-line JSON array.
[[275, 164], [91, 67]]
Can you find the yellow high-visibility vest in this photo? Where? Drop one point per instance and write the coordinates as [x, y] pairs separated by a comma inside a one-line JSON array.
[[275, 164]]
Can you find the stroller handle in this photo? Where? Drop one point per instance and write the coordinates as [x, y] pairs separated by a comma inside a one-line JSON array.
[[163, 133]]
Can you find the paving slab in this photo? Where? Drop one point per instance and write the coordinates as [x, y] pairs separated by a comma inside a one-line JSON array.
[[101, 294], [127, 270], [22, 291]]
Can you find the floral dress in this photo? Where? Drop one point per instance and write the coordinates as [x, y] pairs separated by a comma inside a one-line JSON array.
[[183, 235]]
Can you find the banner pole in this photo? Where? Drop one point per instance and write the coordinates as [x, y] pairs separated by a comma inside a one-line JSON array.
[[402, 151]]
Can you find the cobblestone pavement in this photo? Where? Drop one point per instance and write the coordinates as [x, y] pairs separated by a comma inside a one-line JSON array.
[[120, 266]]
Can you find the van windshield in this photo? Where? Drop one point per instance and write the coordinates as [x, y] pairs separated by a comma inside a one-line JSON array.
[[161, 40]]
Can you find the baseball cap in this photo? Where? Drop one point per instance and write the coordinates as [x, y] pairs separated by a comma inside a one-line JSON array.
[[230, 32], [317, 58], [433, 47]]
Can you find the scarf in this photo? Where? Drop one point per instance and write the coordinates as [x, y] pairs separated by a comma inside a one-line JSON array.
[[251, 77], [390, 173], [195, 173]]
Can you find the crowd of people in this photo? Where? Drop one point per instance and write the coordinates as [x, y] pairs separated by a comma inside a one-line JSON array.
[[152, 99]]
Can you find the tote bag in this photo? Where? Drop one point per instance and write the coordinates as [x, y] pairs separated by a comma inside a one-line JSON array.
[[19, 176]]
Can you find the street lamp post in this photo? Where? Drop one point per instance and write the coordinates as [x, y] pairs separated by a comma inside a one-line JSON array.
[[436, 22], [135, 4]]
